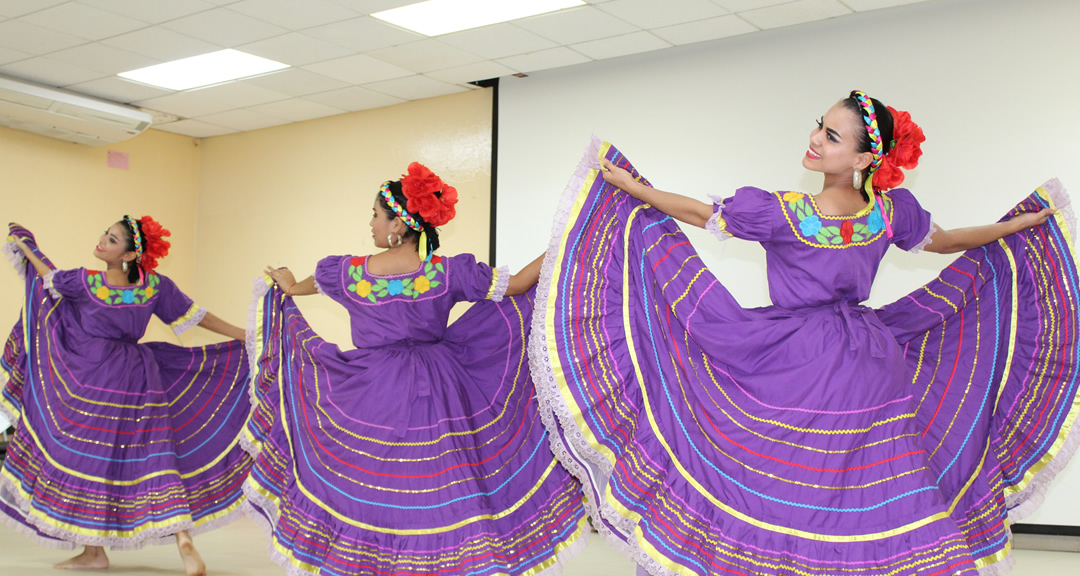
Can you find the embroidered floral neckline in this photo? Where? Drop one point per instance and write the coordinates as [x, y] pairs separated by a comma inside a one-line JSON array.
[[382, 288], [810, 227], [138, 294]]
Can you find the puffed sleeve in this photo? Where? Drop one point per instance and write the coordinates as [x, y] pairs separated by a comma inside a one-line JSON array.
[[172, 306], [912, 225], [329, 276], [66, 283], [751, 214], [473, 281]]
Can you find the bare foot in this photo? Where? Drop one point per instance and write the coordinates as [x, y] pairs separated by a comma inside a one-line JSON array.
[[193, 563], [92, 558]]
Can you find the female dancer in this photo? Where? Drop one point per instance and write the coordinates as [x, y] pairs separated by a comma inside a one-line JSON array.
[[421, 451], [118, 443], [813, 436]]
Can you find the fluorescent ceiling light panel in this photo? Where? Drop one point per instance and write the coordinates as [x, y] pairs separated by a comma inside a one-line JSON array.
[[436, 17], [203, 70]]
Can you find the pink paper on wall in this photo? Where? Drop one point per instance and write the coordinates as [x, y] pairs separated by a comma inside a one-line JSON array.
[[118, 160]]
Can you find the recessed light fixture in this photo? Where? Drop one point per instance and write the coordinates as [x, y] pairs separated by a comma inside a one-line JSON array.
[[203, 70], [436, 17]]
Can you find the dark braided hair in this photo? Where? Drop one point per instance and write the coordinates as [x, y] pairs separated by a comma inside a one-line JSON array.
[[410, 234], [885, 125], [133, 266]]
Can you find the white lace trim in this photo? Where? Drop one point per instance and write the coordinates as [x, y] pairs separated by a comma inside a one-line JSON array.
[[925, 241], [500, 281], [318, 288], [194, 316], [47, 281], [16, 257], [260, 287], [716, 223], [1060, 197]]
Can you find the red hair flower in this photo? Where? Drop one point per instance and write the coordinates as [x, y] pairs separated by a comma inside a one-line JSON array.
[[155, 247], [420, 186], [904, 154]]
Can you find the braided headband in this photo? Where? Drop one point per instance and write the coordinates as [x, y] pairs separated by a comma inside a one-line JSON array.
[[136, 237], [877, 148], [398, 208]]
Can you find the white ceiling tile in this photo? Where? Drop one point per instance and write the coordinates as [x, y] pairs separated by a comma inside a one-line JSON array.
[[498, 41], [797, 12], [544, 59], [472, 72], [152, 11], [48, 71], [26, 37], [354, 98], [224, 27], [372, 6], [103, 58], [363, 34], [9, 55], [186, 104], [244, 120], [239, 95], [358, 69], [651, 14], [864, 5], [621, 45], [118, 90], [165, 45], [743, 5], [415, 87], [295, 82], [83, 21], [16, 8], [577, 25], [425, 56], [297, 109], [703, 30], [293, 14], [195, 129], [295, 49]]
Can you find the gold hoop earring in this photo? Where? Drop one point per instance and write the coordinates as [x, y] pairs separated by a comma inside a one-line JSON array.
[[391, 240], [124, 265], [856, 179]]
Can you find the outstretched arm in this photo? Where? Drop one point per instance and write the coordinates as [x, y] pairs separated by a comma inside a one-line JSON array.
[[288, 284], [526, 278], [681, 208], [41, 268], [215, 324], [962, 239]]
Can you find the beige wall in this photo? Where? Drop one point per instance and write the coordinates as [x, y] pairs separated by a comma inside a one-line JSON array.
[[67, 195], [290, 195]]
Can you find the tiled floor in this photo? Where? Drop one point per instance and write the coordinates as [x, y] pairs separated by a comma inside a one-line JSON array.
[[240, 550]]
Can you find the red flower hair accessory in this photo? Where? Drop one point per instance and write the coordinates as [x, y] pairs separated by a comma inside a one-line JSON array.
[[428, 196], [903, 155], [155, 247]]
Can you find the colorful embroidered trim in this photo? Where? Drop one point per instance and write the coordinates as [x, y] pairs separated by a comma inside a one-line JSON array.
[[380, 288], [136, 237], [809, 226], [398, 209], [138, 294], [190, 319]]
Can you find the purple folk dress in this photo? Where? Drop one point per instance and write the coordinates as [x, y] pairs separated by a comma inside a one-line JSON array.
[[117, 443], [814, 436], [419, 452]]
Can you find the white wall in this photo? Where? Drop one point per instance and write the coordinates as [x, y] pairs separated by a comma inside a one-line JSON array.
[[994, 84]]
